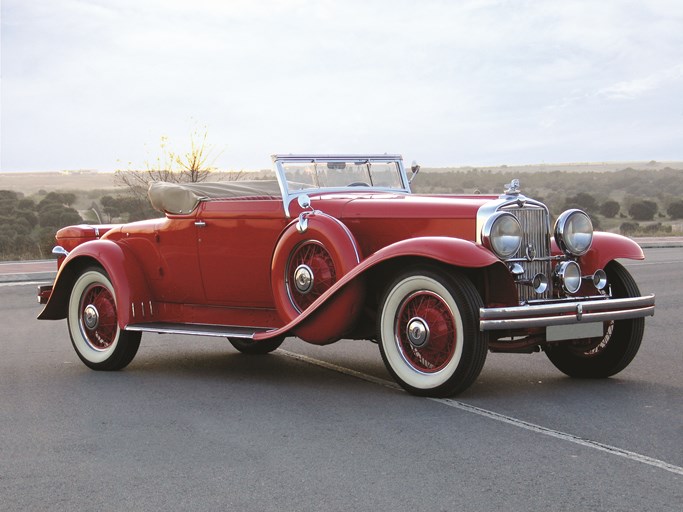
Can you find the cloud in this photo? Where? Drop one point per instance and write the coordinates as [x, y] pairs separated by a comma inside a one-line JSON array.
[[634, 89], [87, 83]]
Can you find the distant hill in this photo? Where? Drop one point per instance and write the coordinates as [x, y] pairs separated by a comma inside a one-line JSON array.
[[568, 167], [33, 182]]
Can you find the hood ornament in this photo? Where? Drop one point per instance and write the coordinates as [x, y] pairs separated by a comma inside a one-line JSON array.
[[512, 188]]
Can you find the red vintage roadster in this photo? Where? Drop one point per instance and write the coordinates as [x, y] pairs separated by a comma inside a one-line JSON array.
[[339, 248]]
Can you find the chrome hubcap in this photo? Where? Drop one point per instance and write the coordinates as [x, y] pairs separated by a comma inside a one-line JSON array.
[[303, 279], [417, 332], [91, 317]]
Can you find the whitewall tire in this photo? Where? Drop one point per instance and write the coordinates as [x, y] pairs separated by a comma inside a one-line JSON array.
[[93, 323], [428, 332]]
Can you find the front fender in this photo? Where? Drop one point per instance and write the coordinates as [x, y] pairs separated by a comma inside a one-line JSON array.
[[607, 247], [125, 273], [451, 251]]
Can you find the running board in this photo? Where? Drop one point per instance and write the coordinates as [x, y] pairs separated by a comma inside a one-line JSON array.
[[222, 331]]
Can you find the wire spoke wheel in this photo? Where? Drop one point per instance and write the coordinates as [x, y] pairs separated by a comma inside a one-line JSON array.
[[93, 323], [310, 273], [98, 317], [603, 357], [429, 334], [426, 332]]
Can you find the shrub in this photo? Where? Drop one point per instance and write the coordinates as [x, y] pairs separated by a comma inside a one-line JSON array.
[[629, 228], [643, 210], [610, 209], [656, 228], [583, 200], [675, 210]]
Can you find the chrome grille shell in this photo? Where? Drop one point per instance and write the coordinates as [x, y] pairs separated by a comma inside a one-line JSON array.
[[534, 253]]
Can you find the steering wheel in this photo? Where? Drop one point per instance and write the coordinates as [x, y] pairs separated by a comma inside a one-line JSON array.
[[358, 184]]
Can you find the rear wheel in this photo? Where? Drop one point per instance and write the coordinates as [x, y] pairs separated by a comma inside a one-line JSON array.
[[93, 323], [606, 356], [429, 335], [256, 347]]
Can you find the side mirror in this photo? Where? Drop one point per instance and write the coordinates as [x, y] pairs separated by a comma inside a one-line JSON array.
[[415, 168]]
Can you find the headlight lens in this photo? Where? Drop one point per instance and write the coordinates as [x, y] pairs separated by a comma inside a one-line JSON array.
[[569, 276], [574, 232], [502, 234]]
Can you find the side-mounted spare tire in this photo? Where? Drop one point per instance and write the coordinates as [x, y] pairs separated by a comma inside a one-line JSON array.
[[306, 263]]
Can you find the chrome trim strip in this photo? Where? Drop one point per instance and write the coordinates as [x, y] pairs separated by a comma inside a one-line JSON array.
[[526, 260], [221, 331], [289, 157], [521, 317], [544, 302]]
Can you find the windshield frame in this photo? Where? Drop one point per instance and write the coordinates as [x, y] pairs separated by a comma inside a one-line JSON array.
[[289, 195]]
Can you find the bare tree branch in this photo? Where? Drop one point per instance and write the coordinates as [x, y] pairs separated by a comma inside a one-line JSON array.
[[193, 166]]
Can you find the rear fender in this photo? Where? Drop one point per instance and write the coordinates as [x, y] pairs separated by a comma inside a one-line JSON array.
[[451, 251], [133, 298]]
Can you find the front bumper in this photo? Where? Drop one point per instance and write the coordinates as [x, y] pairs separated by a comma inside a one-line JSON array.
[[565, 313]]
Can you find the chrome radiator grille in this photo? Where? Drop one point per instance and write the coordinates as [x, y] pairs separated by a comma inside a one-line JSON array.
[[535, 246]]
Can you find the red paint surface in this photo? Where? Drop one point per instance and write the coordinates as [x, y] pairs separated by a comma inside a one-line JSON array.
[[225, 263]]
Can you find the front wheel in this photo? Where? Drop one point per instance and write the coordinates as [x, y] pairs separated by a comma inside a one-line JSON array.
[[428, 332], [606, 356], [93, 324]]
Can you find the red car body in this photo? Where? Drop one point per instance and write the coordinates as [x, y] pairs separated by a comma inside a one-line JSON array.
[[368, 259]]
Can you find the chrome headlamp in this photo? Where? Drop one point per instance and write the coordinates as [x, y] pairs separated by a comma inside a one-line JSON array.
[[574, 232], [502, 234], [568, 275]]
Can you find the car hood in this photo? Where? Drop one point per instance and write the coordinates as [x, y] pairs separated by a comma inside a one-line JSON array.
[[414, 206]]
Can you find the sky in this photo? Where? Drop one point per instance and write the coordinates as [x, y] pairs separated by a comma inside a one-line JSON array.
[[95, 84]]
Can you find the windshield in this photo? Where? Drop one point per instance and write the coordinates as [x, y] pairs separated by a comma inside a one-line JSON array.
[[301, 175], [340, 174]]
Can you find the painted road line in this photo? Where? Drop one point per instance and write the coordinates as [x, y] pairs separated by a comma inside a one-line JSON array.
[[509, 420], [24, 283], [561, 435]]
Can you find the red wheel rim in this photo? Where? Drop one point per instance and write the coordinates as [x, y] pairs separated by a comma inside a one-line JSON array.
[[97, 316], [310, 260], [426, 332]]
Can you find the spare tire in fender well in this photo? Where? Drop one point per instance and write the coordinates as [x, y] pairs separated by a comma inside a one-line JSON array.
[[323, 253]]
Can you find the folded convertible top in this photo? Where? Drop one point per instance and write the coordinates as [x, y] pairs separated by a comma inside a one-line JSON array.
[[183, 198]]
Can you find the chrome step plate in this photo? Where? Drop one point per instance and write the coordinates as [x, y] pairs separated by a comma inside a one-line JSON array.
[[221, 331]]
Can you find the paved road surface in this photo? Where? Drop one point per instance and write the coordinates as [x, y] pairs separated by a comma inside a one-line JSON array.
[[192, 424]]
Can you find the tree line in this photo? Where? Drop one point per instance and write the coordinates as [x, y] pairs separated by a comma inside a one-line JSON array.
[[27, 228], [619, 200]]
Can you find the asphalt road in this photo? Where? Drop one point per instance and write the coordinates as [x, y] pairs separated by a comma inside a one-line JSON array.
[[192, 424]]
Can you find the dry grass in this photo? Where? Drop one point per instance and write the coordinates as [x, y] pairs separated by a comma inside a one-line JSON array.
[[31, 183]]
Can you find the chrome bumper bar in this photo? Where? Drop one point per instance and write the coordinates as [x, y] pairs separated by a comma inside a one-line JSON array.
[[565, 313]]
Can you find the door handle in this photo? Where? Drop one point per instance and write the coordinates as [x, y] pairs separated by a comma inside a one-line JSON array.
[[200, 223]]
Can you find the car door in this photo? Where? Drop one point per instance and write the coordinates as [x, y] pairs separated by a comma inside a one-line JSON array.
[[235, 240], [176, 275]]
